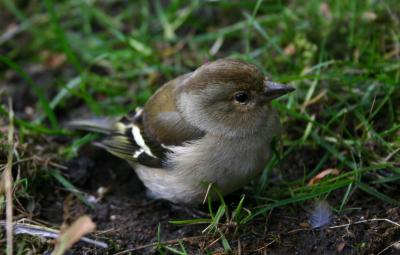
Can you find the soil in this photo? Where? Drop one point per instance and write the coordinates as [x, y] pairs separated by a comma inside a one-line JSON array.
[[127, 220]]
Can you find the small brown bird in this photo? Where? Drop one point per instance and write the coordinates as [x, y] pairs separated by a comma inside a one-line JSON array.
[[213, 125]]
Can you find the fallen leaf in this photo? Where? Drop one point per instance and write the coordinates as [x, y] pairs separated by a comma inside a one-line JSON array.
[[304, 224], [73, 233], [290, 49], [322, 175], [52, 60], [369, 16], [340, 247]]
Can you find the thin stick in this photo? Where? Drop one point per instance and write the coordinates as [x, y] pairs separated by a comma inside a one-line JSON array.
[[388, 247], [45, 232], [364, 221], [349, 224], [264, 247], [8, 181]]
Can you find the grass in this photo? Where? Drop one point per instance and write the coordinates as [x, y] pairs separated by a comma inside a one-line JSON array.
[[342, 56]]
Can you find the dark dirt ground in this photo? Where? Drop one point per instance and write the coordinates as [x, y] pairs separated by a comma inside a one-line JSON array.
[[127, 219]]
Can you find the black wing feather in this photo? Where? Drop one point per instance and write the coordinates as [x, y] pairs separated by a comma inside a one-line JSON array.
[[119, 139]]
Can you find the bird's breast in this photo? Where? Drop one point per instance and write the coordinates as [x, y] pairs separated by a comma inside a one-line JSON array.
[[227, 163]]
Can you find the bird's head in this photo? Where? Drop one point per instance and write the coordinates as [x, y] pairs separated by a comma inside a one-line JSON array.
[[228, 97]]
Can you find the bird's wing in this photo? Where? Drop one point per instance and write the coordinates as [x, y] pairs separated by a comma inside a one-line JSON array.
[[121, 137], [162, 122], [126, 141], [145, 135]]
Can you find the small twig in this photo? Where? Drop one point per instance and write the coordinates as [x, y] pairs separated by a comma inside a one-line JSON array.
[[185, 239], [388, 157], [347, 225], [18, 162], [56, 165], [51, 163], [214, 242], [35, 230], [298, 230], [364, 221], [388, 247], [8, 181], [264, 247]]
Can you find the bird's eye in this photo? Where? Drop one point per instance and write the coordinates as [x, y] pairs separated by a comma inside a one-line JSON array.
[[242, 97]]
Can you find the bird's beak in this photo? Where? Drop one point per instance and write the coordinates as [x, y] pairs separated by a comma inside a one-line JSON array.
[[273, 90]]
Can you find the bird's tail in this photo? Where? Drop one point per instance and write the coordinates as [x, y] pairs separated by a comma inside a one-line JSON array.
[[117, 133], [98, 125]]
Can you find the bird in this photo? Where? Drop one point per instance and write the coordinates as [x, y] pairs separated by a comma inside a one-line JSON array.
[[213, 126]]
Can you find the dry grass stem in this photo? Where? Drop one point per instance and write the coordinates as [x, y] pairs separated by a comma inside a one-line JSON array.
[[7, 182]]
